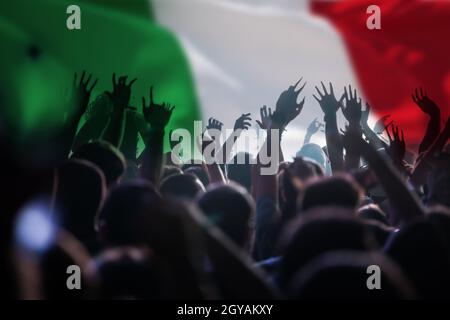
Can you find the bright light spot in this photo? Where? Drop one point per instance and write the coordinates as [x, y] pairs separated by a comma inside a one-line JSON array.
[[35, 229]]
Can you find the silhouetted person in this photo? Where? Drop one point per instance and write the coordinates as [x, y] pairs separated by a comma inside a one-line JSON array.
[[336, 191], [79, 193], [106, 157], [230, 208], [181, 185], [122, 213], [240, 172]]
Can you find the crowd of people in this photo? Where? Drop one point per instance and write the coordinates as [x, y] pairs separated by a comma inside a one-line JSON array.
[[142, 226]]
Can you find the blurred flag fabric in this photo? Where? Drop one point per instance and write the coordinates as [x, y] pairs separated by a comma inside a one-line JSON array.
[[411, 50], [235, 55], [245, 52], [39, 55]]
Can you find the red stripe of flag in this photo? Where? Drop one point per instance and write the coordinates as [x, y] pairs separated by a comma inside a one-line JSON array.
[[412, 49]]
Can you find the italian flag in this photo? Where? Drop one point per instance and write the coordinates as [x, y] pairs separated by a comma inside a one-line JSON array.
[[222, 58]]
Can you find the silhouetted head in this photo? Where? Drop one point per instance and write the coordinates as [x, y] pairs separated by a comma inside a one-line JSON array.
[[181, 185], [291, 183], [198, 171], [373, 212], [346, 275], [229, 207], [108, 158], [313, 151], [79, 193], [169, 170], [318, 233], [122, 213], [422, 249], [306, 169], [239, 170], [131, 273], [336, 191]]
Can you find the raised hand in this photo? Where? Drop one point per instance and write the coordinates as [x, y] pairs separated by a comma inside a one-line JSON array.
[[287, 107], [214, 124], [352, 108], [121, 93], [265, 117], [82, 91], [327, 101], [425, 104], [242, 123], [157, 115], [397, 146], [313, 127]]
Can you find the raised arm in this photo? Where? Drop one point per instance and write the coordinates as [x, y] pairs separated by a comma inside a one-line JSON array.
[[406, 205], [312, 129], [370, 135], [120, 97], [430, 108], [265, 173], [421, 168], [81, 93], [397, 146], [241, 123], [211, 166], [352, 110], [329, 105], [264, 124], [158, 116]]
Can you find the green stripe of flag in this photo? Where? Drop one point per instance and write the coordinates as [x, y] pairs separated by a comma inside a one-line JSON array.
[[116, 36]]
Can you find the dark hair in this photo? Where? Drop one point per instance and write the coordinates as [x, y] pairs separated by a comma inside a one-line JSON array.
[[79, 193], [169, 170], [199, 172], [131, 273], [373, 212], [336, 191], [107, 157], [122, 212], [229, 207], [343, 275], [316, 234], [181, 185], [422, 249]]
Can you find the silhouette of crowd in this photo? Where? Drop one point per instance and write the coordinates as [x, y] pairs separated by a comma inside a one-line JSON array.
[[141, 226]]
